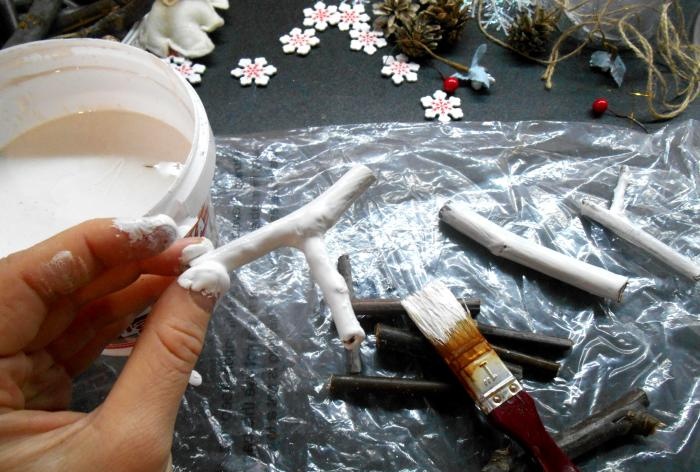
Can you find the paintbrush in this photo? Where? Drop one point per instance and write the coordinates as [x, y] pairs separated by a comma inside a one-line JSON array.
[[497, 393]]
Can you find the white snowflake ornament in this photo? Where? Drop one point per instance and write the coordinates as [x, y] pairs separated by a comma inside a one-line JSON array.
[[258, 71], [299, 41], [320, 16], [445, 108], [366, 40], [351, 16], [186, 68], [399, 69]]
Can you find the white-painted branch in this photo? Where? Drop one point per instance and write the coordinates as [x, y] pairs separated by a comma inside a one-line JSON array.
[[304, 230], [334, 290], [615, 220], [505, 244], [618, 202]]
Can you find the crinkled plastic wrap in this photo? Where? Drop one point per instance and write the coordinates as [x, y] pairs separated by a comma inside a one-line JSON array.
[[271, 346]]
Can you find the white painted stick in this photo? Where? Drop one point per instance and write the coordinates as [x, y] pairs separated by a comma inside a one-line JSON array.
[[505, 244], [620, 225], [313, 219], [304, 230], [618, 201], [334, 290]]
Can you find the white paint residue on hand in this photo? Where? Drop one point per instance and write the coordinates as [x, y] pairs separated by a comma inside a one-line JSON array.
[[193, 251], [195, 378], [154, 232], [208, 277], [63, 274]]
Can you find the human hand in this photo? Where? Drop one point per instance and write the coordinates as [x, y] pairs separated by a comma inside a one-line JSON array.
[[61, 302]]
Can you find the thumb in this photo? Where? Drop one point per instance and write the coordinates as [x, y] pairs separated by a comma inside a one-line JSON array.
[[147, 394]]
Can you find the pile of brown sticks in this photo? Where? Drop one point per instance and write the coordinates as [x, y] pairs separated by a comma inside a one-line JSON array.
[[525, 353], [32, 20]]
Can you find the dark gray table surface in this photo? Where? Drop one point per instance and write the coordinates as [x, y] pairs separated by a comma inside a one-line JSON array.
[[335, 85]]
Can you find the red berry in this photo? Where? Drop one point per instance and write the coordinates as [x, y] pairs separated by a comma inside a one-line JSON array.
[[599, 106], [450, 84]]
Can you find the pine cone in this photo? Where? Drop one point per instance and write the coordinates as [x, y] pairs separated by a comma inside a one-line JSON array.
[[412, 36], [449, 15], [393, 14], [530, 32]]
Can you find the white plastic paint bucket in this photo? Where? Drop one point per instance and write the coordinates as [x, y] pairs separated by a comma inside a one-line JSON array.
[[46, 80]]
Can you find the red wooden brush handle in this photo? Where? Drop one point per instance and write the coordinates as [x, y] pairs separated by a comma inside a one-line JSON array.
[[518, 418]]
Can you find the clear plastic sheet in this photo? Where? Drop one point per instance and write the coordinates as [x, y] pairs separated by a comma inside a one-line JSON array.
[[271, 348]]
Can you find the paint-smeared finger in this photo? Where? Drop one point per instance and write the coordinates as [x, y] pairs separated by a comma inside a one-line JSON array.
[[63, 312], [168, 262], [71, 259], [34, 279], [105, 311]]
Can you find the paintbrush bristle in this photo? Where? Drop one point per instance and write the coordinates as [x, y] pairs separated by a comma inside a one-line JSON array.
[[436, 312], [453, 332]]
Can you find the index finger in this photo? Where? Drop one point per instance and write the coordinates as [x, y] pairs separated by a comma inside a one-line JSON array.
[[71, 259], [37, 277]]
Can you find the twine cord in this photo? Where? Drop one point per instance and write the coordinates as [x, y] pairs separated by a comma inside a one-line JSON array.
[[674, 51]]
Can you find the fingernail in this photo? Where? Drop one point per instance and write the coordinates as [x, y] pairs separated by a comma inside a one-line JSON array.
[[151, 232]]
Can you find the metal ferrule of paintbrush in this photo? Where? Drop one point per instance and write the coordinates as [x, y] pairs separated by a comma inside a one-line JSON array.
[[482, 373]]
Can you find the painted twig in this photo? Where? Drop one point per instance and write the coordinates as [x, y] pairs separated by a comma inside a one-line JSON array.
[[303, 229], [503, 243], [615, 220], [624, 417]]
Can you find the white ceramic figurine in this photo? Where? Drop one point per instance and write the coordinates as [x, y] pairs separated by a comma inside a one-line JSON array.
[[181, 25]]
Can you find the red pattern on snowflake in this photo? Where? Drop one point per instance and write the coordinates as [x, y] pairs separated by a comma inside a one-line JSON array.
[[299, 40], [367, 38], [441, 106], [184, 69], [253, 71], [399, 68], [349, 16], [320, 15]]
